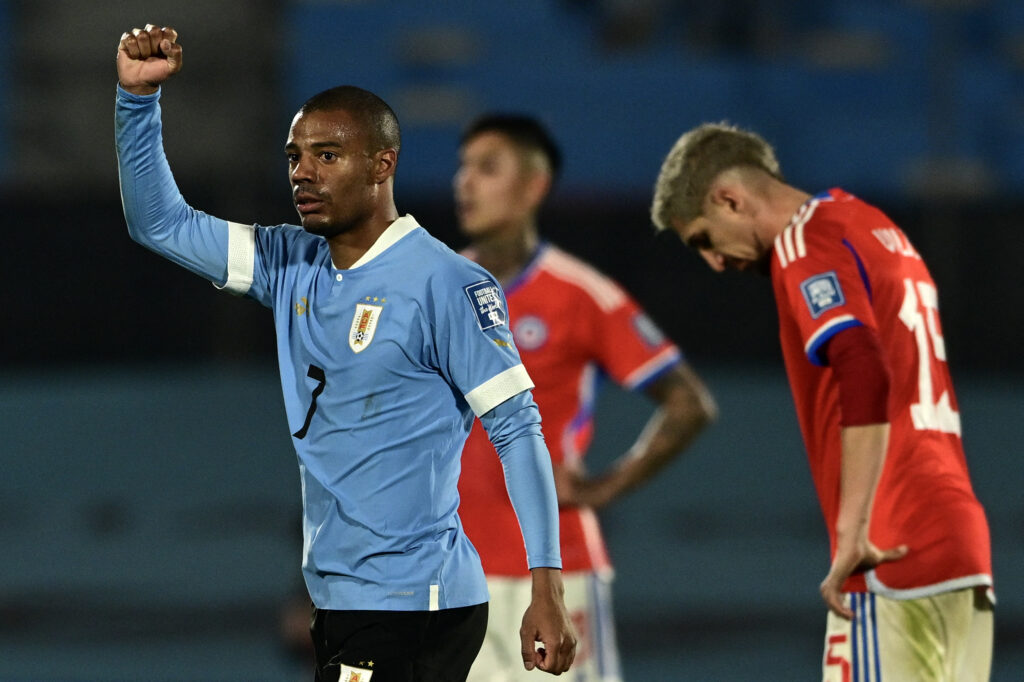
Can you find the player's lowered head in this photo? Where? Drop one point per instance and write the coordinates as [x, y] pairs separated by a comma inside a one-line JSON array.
[[721, 190]]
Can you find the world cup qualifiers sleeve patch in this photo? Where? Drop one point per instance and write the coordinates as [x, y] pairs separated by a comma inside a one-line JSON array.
[[822, 292], [485, 297]]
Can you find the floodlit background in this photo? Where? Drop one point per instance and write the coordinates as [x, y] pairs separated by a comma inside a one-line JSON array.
[[149, 498]]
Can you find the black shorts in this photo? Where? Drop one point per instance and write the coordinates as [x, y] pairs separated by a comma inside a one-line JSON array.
[[398, 646]]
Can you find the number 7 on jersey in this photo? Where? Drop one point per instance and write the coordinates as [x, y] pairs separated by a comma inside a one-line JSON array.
[[321, 378]]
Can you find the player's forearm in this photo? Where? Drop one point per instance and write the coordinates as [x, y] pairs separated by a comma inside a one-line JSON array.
[[685, 408], [863, 455], [514, 429], [157, 215], [531, 489], [148, 191]]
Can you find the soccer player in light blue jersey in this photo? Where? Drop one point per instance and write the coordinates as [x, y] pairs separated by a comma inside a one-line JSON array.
[[389, 344]]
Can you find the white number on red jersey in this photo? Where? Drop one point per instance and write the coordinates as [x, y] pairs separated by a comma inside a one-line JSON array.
[[928, 414]]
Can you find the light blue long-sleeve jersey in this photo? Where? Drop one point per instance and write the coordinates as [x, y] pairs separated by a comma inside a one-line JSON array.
[[383, 366]]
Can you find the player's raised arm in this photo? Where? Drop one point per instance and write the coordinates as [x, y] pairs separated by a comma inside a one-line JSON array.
[[146, 57], [157, 215]]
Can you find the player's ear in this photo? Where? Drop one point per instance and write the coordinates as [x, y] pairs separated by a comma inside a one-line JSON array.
[[537, 187], [384, 163], [727, 196]]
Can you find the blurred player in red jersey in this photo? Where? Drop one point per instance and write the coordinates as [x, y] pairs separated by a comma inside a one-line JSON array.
[[909, 588], [571, 324]]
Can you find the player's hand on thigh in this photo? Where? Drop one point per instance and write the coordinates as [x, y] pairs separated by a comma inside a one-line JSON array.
[[146, 57], [859, 556]]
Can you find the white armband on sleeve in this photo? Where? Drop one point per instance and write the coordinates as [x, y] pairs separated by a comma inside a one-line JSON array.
[[498, 389], [241, 258]]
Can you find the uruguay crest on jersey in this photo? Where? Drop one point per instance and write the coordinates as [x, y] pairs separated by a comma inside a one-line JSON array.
[[350, 674], [364, 324]]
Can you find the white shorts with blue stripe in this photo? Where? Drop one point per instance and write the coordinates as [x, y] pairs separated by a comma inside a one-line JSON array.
[[941, 638]]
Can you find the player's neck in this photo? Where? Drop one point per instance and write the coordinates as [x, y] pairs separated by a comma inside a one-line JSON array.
[[784, 202], [504, 254], [349, 246]]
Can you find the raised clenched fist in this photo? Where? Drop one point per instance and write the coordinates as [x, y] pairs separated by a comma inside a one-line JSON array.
[[146, 57]]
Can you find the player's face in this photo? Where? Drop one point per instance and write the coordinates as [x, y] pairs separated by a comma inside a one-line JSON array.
[[492, 186], [725, 239], [330, 171]]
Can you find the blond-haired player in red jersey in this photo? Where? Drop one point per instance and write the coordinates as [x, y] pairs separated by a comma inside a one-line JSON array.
[[571, 324], [909, 588]]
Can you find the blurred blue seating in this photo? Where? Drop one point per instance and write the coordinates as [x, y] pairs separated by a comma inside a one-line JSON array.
[[865, 124]]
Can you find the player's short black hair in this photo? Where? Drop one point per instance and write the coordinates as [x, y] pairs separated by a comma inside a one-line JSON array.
[[525, 131], [371, 111]]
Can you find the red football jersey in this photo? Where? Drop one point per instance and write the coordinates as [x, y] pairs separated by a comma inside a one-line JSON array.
[[841, 262], [570, 324]]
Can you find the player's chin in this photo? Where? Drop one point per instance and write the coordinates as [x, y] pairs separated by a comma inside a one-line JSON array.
[[315, 224], [472, 227]]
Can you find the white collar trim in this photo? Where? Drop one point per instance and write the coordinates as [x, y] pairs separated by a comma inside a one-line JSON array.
[[387, 239]]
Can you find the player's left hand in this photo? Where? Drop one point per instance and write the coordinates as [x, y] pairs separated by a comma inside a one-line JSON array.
[[856, 556], [546, 621], [576, 489]]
